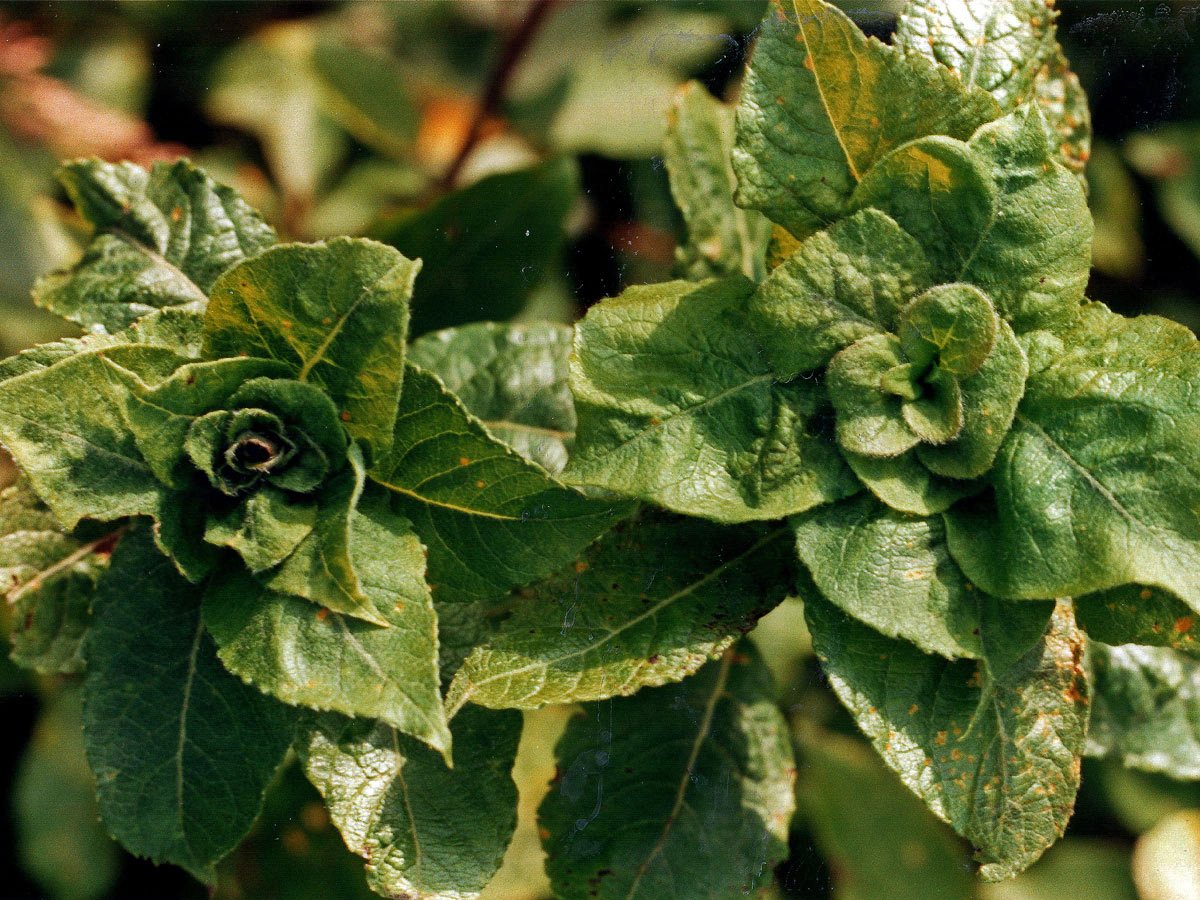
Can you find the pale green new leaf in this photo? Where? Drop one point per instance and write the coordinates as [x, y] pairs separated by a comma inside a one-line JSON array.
[[513, 378], [679, 791], [722, 238], [162, 239], [182, 751], [998, 212], [48, 577], [321, 568], [992, 749], [310, 657], [490, 519], [822, 103], [1136, 614], [64, 425], [335, 312], [647, 604], [427, 832], [1096, 484], [1146, 708], [60, 840], [840, 285], [905, 484], [894, 572], [678, 405]]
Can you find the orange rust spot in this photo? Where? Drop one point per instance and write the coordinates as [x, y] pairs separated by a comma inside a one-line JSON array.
[[580, 566], [463, 461], [176, 212], [345, 416], [655, 421], [808, 62], [1182, 624], [544, 834], [940, 738], [912, 710], [956, 754], [1146, 594], [399, 607], [285, 323], [479, 484], [1073, 695], [322, 614]]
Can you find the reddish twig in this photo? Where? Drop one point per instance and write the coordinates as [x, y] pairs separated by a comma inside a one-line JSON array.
[[498, 84]]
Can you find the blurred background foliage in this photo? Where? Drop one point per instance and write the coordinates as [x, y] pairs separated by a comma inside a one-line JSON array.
[[514, 146]]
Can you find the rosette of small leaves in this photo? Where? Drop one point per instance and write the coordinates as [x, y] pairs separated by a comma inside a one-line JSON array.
[[910, 372], [233, 424]]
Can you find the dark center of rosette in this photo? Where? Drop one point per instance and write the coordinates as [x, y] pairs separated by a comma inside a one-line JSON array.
[[275, 432]]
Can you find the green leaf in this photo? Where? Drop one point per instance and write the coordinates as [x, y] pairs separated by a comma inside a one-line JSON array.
[[162, 238], [264, 529], [704, 814], [998, 45], [822, 104], [425, 830], [1146, 708], [1094, 485], [870, 419], [60, 840], [336, 312], [722, 238], [320, 659], [868, 826], [647, 604], [718, 435], [969, 739], [65, 427], [490, 519], [894, 572], [990, 399], [1064, 104], [321, 568], [1136, 614], [952, 324], [49, 577], [513, 378], [997, 212], [366, 92], [840, 285], [182, 750], [486, 246], [937, 416], [906, 485]]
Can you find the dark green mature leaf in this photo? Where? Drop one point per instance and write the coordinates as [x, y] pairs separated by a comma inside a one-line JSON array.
[[490, 519], [893, 572], [48, 577], [336, 312], [513, 378], [722, 238], [486, 246], [1136, 614], [717, 435], [1146, 708], [311, 657], [997, 212], [878, 839], [426, 831], [841, 284], [321, 568], [647, 604], [1096, 483], [705, 812], [181, 749], [822, 103], [970, 739], [60, 840], [162, 238], [65, 427]]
